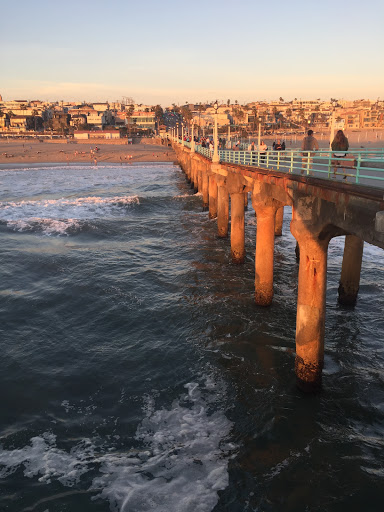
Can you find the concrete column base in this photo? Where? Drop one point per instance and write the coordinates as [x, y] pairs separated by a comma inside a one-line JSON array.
[[308, 375], [264, 255], [279, 221], [205, 191], [222, 211], [350, 271], [237, 228], [212, 197], [310, 317]]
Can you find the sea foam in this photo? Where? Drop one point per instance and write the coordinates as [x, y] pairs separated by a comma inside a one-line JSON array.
[[61, 216], [182, 463]]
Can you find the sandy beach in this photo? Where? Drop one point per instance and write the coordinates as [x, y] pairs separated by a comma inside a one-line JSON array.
[[31, 151]]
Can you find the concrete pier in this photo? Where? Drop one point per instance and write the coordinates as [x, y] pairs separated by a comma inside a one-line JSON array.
[[246, 201], [237, 228], [265, 245], [279, 221], [350, 270], [310, 316], [222, 211], [321, 210], [212, 197], [205, 191]]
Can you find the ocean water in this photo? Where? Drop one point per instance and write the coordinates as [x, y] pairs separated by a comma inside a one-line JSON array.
[[137, 374]]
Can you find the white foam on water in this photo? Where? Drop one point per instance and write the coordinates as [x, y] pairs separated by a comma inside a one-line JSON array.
[[181, 465], [45, 459], [45, 226], [182, 196], [61, 216]]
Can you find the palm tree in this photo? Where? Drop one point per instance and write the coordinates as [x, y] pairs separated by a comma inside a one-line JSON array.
[[254, 112], [34, 116]]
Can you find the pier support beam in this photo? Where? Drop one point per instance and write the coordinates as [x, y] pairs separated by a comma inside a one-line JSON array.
[[245, 201], [310, 317], [265, 245], [237, 228], [199, 181], [212, 197], [279, 221], [205, 190], [222, 211], [194, 175], [350, 271]]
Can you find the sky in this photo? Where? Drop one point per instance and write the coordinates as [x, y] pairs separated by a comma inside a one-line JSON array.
[[164, 52]]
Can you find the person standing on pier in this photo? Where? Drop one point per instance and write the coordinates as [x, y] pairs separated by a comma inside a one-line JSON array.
[[263, 151], [309, 143], [340, 147]]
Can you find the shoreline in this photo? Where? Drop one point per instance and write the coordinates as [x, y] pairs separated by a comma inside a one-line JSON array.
[[34, 152]]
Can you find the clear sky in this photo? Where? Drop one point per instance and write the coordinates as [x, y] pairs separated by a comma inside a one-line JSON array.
[[175, 51]]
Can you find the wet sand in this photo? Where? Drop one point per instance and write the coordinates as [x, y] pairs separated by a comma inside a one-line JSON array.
[[31, 151]]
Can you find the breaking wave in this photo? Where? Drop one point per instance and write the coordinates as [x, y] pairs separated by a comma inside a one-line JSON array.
[[61, 216]]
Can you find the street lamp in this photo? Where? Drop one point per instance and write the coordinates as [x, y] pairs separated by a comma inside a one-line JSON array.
[[332, 134], [192, 137], [259, 135], [215, 158]]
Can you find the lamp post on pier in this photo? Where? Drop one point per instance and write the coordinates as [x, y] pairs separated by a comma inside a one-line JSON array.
[[259, 135], [192, 137], [215, 158], [332, 134]]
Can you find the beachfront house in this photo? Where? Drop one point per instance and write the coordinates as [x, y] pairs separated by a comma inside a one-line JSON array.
[[143, 120]]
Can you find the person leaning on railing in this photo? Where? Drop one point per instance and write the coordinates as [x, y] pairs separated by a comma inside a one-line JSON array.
[[340, 147], [309, 143], [263, 150]]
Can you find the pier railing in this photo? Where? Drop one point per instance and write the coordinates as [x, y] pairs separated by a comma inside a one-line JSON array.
[[358, 166]]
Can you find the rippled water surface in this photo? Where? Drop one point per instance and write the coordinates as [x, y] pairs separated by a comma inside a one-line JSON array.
[[137, 373]]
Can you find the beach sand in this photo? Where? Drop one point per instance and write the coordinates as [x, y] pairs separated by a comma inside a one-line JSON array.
[[31, 151], [55, 151]]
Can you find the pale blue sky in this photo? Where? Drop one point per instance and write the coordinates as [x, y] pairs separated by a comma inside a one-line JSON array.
[[168, 51]]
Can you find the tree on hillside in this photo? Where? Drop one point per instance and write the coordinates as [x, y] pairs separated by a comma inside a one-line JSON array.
[[186, 113], [159, 112], [35, 118], [128, 115], [255, 118]]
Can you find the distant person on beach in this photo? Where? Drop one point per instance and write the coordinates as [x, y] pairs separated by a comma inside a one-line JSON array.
[[340, 147], [309, 143]]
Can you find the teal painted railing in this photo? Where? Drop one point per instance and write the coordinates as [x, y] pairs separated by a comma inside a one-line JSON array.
[[360, 166]]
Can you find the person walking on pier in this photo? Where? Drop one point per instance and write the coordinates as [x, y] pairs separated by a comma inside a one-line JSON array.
[[310, 144], [263, 151], [340, 147]]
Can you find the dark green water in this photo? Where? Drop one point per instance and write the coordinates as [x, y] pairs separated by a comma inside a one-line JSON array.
[[137, 373]]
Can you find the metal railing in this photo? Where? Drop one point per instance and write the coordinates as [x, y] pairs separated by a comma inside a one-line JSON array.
[[359, 166]]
